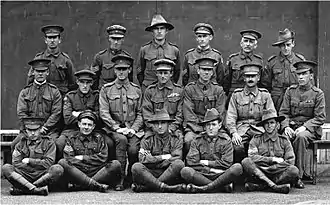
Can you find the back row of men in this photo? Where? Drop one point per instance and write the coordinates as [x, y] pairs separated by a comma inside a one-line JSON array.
[[124, 115]]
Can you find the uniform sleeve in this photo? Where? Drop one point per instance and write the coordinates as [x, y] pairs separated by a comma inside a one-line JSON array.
[[319, 114], [285, 109], [105, 111], [176, 149], [289, 156], [221, 103], [141, 66], [231, 117], [177, 69], [227, 77], [17, 156], [48, 159], [97, 105], [138, 122], [147, 107], [185, 71], [96, 68], [56, 110], [253, 152], [225, 158], [188, 111], [99, 157], [178, 116], [22, 108], [193, 158], [146, 145], [69, 119], [70, 75]]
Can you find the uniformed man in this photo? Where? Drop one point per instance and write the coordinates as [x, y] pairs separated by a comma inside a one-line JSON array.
[[204, 34], [164, 95], [198, 97], [85, 157], [304, 108], [102, 64], [271, 158], [40, 99], [32, 168], [120, 110], [245, 110], [75, 102], [61, 68], [280, 73], [160, 157], [210, 159], [233, 77], [158, 48]]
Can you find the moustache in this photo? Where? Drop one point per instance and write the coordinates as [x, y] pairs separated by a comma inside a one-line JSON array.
[[250, 81]]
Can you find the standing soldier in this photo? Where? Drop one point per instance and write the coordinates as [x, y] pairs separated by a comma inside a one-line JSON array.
[[158, 48], [40, 99], [32, 168], [198, 97], [120, 110], [160, 157], [304, 108], [61, 68], [271, 158], [102, 64], [164, 95], [280, 73], [210, 158], [204, 34], [233, 76], [245, 110], [85, 157]]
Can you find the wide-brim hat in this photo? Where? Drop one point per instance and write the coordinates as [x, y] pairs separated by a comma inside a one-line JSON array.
[[303, 66], [52, 30], [251, 34], [158, 20], [269, 114], [161, 115], [284, 36], [211, 115]]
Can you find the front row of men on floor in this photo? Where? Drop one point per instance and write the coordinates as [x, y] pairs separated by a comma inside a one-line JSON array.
[[176, 139]]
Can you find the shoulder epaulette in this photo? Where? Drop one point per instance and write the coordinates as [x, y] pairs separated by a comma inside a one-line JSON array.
[[263, 90], [147, 43], [177, 85], [283, 136], [191, 83], [66, 55], [190, 50], [72, 92], [233, 55], [95, 91], [172, 44], [215, 50], [103, 51], [238, 90], [200, 135], [300, 56], [316, 88], [29, 85], [109, 84], [271, 58], [126, 53], [214, 83], [135, 85], [258, 56], [39, 54], [45, 136], [293, 86]]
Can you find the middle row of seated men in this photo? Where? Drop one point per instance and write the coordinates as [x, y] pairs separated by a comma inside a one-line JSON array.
[[126, 116]]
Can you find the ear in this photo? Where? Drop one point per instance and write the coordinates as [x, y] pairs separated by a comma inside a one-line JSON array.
[[211, 37]]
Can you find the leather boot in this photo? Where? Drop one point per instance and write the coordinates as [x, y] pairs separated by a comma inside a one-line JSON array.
[[179, 188], [283, 188], [95, 186], [43, 180], [254, 187], [42, 191], [139, 188]]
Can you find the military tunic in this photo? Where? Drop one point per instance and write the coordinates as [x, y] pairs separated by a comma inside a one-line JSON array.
[[169, 97], [61, 70], [149, 53], [104, 67], [189, 67], [279, 75]]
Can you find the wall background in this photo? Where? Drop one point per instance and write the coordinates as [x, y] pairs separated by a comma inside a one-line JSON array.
[[85, 24]]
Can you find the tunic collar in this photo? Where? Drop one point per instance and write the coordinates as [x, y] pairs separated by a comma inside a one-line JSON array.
[[54, 52], [120, 84], [254, 92], [168, 85]]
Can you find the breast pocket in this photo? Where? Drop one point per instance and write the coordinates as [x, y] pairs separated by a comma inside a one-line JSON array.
[[278, 75], [60, 72], [158, 103], [279, 153], [150, 58], [211, 102], [47, 103], [173, 103], [243, 108], [307, 108], [236, 73], [93, 148], [108, 72], [199, 105], [29, 104], [38, 153], [193, 75], [170, 56], [114, 102], [259, 105], [132, 100]]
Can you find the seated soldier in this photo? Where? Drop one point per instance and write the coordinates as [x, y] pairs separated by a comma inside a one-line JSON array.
[[32, 168], [210, 158], [270, 158], [85, 157], [160, 158]]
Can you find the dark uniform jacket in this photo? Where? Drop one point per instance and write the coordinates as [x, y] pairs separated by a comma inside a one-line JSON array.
[[218, 151], [169, 97], [120, 105], [197, 99], [233, 77], [43, 101], [61, 70], [149, 53], [246, 108], [189, 68], [104, 67], [41, 153], [160, 145], [263, 148], [92, 147], [77, 101], [304, 106]]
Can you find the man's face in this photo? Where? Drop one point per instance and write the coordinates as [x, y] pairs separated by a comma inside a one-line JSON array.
[[115, 43], [251, 80], [270, 126], [164, 76], [248, 45], [304, 78], [52, 42], [86, 126], [212, 128], [203, 40], [40, 75], [286, 47], [122, 73], [159, 32], [84, 85], [205, 74], [160, 127], [32, 133]]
